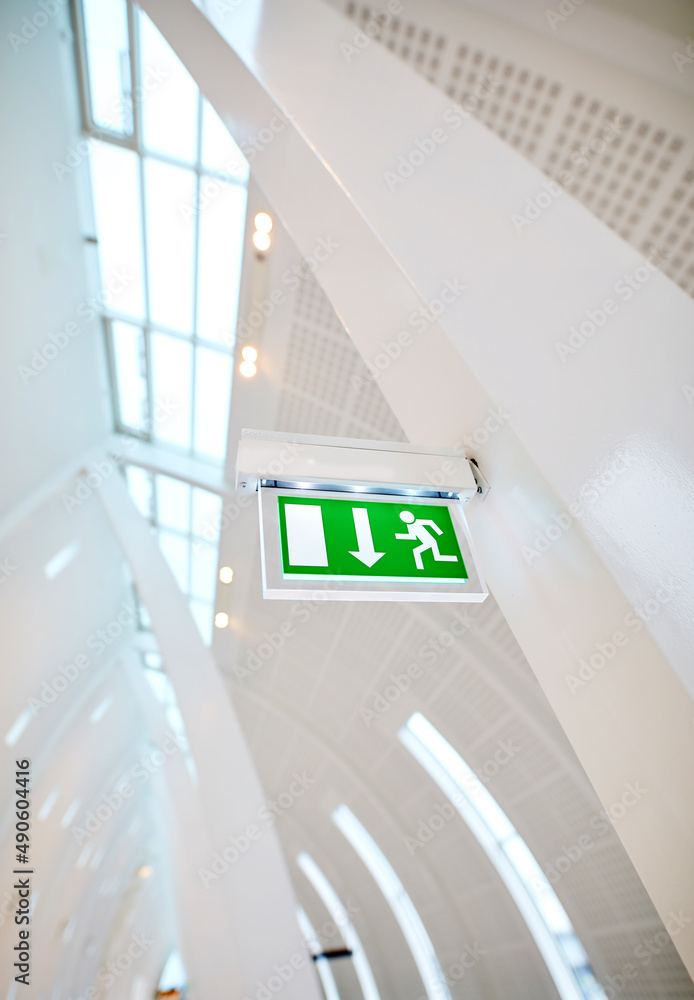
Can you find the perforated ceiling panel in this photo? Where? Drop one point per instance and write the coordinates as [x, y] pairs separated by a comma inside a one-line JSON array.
[[634, 171], [305, 709], [324, 390]]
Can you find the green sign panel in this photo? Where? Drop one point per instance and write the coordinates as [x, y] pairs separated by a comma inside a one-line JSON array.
[[354, 539]]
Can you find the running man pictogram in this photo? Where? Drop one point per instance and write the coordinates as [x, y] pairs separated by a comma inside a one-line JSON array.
[[418, 529]]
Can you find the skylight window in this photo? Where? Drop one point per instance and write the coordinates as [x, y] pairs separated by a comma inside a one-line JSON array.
[[539, 905], [339, 915], [169, 193], [187, 521], [322, 965], [400, 903]]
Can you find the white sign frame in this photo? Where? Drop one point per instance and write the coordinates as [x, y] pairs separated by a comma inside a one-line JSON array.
[[327, 588]]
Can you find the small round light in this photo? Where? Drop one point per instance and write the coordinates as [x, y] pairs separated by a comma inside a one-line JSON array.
[[221, 619], [226, 574], [261, 241], [144, 872], [263, 222], [247, 368], [249, 354]]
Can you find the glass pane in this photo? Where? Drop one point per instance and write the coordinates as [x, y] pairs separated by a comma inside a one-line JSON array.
[[173, 503], [170, 109], [207, 510], [203, 580], [170, 246], [140, 489], [219, 151], [129, 357], [212, 399], [203, 614], [222, 222], [116, 188], [176, 552], [171, 382], [108, 64]]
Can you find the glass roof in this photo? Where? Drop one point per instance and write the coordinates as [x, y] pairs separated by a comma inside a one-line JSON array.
[[169, 206], [169, 201], [539, 905]]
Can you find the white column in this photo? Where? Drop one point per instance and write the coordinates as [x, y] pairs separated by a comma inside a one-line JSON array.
[[254, 892], [493, 351]]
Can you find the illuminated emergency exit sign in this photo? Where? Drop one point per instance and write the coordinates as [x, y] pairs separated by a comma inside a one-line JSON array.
[[353, 546]]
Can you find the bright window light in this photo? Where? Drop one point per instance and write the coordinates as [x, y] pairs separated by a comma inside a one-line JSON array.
[[115, 176], [340, 918], [539, 906], [108, 64], [170, 245], [221, 225], [101, 709], [323, 969], [170, 109], [174, 975], [169, 193], [131, 382], [220, 154], [61, 560], [400, 903], [47, 807], [18, 727]]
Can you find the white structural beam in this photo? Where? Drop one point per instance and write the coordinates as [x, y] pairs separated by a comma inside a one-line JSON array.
[[238, 860], [589, 457]]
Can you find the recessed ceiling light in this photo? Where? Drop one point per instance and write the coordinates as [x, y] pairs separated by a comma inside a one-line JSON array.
[[226, 574], [261, 241], [247, 368], [249, 354], [221, 619], [263, 222], [144, 871]]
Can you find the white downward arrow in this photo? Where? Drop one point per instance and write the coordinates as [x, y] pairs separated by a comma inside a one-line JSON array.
[[366, 552]]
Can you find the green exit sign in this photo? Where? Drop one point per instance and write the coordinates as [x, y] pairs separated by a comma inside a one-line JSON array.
[[366, 547], [367, 540]]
